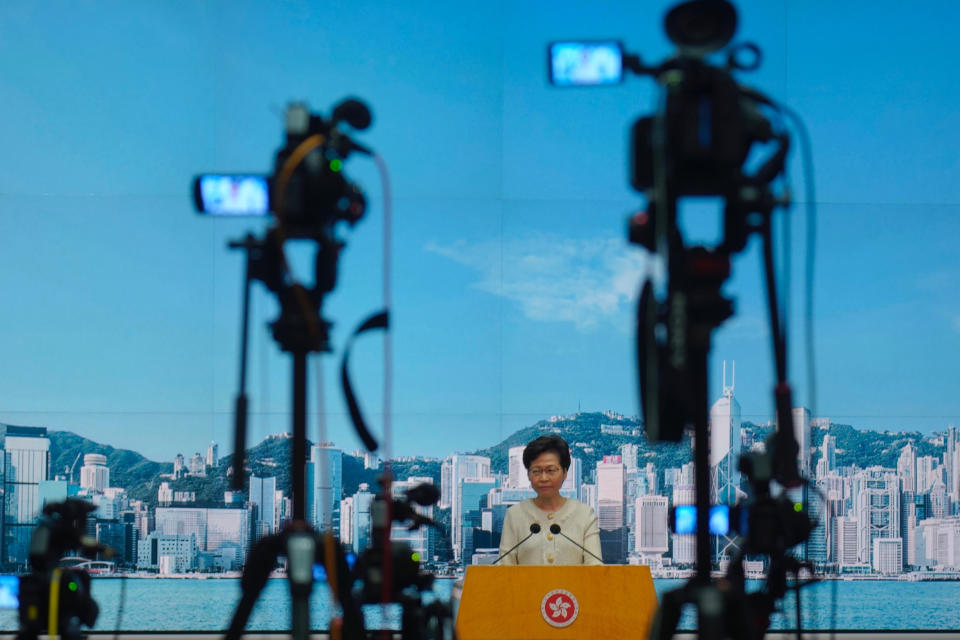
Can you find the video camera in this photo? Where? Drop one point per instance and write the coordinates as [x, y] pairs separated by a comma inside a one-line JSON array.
[[58, 600]]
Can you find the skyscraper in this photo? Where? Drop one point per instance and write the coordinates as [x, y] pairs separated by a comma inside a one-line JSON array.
[[876, 494], [213, 458], [801, 430], [907, 468], [471, 502], [518, 478], [26, 464], [611, 511], [324, 485], [725, 455], [651, 525], [263, 495], [455, 470], [94, 474]]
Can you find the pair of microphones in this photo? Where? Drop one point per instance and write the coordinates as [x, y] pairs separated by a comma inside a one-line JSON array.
[[555, 530]]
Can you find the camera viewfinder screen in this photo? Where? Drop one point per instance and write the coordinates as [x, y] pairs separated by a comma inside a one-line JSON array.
[[9, 592], [585, 63], [233, 195]]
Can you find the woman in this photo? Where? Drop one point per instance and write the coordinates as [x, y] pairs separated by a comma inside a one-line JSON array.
[[547, 460]]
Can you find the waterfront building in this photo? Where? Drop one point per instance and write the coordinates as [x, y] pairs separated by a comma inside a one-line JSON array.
[[26, 463], [877, 508], [94, 474], [651, 532], [887, 558], [212, 528], [167, 553], [847, 553]]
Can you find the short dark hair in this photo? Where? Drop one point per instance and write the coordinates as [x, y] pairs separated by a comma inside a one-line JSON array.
[[545, 444]]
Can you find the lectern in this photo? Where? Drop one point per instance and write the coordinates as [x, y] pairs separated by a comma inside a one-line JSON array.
[[556, 603]]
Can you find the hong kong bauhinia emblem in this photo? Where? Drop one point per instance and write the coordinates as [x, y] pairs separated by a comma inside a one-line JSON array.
[[559, 608]]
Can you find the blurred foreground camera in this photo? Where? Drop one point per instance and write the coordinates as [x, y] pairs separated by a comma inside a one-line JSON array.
[[57, 600]]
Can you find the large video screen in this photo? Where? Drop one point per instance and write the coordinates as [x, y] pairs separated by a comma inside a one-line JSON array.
[[513, 294]]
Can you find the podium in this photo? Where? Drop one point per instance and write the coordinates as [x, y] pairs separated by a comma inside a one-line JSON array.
[[556, 603]]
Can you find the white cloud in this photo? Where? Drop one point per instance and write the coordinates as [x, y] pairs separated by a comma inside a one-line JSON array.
[[555, 279]]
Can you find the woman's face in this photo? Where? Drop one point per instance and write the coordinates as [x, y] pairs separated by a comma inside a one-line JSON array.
[[546, 475]]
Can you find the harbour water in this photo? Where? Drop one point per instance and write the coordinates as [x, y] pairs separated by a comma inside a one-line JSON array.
[[206, 605]]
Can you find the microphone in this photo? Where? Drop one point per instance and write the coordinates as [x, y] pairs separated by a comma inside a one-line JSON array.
[[555, 530], [534, 528]]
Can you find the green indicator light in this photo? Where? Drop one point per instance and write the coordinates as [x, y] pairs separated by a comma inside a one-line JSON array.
[[797, 507], [415, 556], [72, 585], [336, 165]]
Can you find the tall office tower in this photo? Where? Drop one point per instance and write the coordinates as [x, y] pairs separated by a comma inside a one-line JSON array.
[[908, 526], [26, 463], [571, 486], [684, 492], [518, 478], [725, 444], [94, 474], [650, 471], [446, 484], [421, 540], [926, 466], [877, 508], [907, 468], [611, 511], [828, 451], [948, 454], [360, 524], [725, 456], [471, 502], [588, 495], [939, 501], [801, 429], [611, 480], [213, 458], [819, 543], [846, 540], [324, 485], [346, 521], [629, 453], [462, 467], [263, 495], [651, 532]]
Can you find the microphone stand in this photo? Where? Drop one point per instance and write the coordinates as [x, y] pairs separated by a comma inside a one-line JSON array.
[[555, 530], [534, 529]]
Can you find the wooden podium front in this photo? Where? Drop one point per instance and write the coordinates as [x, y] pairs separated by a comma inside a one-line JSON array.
[[556, 603]]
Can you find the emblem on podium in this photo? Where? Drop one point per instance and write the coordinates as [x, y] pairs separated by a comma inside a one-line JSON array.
[[559, 608]]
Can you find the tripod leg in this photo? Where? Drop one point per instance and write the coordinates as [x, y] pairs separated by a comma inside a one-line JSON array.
[[260, 562]]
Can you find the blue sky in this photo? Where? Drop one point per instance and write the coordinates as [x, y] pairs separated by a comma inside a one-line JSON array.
[[513, 284]]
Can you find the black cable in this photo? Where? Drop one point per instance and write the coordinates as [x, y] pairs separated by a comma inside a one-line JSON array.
[[810, 202], [123, 598]]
